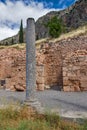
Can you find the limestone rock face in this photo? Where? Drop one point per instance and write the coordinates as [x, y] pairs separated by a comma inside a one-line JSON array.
[[72, 17]]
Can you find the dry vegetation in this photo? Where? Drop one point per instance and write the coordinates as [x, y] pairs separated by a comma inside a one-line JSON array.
[[17, 46], [77, 32], [80, 31], [25, 118]]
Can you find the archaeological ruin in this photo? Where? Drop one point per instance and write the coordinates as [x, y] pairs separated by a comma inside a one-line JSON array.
[[60, 65]]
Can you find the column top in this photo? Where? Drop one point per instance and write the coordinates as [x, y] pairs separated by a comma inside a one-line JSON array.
[[29, 19]]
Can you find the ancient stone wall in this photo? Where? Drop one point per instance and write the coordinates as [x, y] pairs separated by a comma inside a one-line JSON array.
[[75, 71], [40, 83], [51, 72], [40, 78], [52, 56], [72, 44], [12, 68], [52, 65]]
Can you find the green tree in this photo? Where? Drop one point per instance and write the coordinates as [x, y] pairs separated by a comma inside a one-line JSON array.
[[21, 39], [55, 27], [12, 41]]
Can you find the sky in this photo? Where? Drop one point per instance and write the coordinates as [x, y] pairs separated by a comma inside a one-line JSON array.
[[12, 11]]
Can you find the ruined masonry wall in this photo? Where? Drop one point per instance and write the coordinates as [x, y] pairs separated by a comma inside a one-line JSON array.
[[53, 55], [62, 64], [49, 64], [75, 71], [12, 68]]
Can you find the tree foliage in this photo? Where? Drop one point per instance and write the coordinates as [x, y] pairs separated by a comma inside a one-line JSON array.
[[12, 41], [21, 39], [55, 27]]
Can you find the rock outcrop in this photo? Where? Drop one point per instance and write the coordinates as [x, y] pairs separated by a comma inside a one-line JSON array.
[[72, 17]]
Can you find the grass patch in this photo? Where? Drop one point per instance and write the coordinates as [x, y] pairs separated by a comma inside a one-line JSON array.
[[17, 46], [25, 118]]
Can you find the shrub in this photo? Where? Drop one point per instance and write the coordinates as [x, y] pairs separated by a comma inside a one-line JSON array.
[[55, 27]]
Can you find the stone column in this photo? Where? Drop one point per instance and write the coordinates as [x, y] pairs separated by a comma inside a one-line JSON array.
[[30, 60], [31, 65]]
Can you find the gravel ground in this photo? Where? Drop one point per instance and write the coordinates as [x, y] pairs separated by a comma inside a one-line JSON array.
[[66, 102]]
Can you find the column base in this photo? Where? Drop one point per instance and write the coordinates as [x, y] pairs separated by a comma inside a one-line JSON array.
[[35, 104]]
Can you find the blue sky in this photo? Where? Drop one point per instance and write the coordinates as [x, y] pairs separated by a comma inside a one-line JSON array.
[[51, 3], [12, 11]]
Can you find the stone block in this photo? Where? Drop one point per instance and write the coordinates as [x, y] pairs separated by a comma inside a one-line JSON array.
[[81, 58], [83, 89], [75, 67], [40, 87], [65, 69], [66, 88], [77, 88], [83, 84], [19, 88], [47, 86], [40, 80], [73, 78], [64, 73], [71, 88], [66, 82]]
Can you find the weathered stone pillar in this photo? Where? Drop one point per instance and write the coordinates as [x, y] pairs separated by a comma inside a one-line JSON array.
[[30, 60], [31, 66]]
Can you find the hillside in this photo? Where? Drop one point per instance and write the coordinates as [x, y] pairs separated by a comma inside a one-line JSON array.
[[72, 17]]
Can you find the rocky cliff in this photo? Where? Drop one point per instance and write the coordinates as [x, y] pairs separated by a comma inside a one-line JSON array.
[[72, 17]]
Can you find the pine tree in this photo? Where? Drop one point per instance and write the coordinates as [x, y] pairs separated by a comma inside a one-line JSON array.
[[55, 27], [21, 39], [12, 41]]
